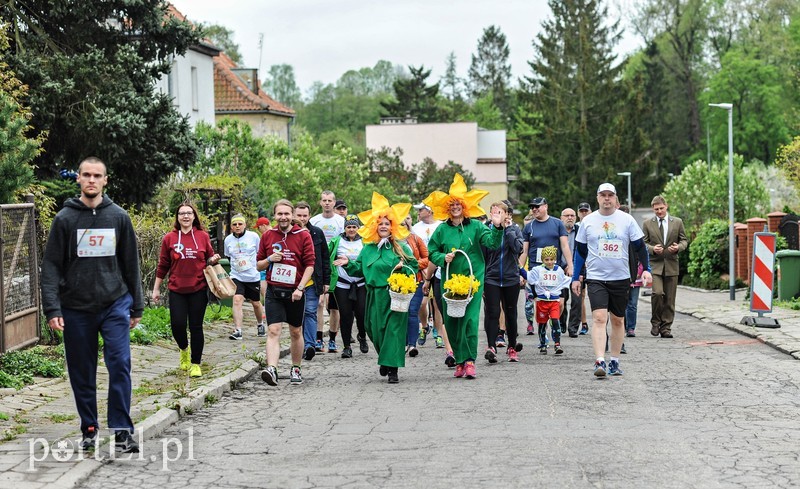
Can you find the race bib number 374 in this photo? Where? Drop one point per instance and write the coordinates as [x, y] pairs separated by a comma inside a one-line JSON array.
[[97, 242]]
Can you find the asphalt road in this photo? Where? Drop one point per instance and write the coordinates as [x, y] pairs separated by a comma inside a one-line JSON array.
[[709, 408]]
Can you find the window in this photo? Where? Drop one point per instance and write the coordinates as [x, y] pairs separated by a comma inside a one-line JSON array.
[[195, 97]]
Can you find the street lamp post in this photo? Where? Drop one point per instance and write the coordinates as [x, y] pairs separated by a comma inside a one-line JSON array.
[[731, 271], [627, 174]]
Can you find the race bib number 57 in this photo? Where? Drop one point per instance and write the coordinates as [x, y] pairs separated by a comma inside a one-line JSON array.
[[96, 242]]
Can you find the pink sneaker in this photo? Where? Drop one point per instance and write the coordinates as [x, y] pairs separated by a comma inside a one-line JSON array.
[[459, 371], [469, 370], [512, 355]]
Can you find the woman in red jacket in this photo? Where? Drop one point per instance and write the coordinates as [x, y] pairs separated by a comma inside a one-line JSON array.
[[185, 252]]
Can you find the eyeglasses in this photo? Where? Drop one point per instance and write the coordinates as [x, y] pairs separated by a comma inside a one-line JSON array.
[[237, 224], [186, 213]]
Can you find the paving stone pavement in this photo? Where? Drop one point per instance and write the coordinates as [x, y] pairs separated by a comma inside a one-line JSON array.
[[710, 408]]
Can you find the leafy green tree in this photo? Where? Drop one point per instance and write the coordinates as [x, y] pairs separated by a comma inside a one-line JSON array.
[[222, 37], [788, 160], [699, 194], [430, 177], [413, 96], [17, 149], [92, 91], [490, 70], [454, 107], [280, 84]]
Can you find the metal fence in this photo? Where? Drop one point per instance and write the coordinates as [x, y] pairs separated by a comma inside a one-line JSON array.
[[19, 277]]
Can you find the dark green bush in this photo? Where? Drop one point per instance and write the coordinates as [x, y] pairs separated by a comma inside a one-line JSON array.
[[708, 256]]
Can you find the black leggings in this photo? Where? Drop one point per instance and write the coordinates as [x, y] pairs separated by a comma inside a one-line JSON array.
[[349, 310], [493, 295], [192, 308]]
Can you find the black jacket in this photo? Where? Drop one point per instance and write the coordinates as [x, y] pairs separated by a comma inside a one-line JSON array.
[[90, 283], [322, 266], [502, 264]]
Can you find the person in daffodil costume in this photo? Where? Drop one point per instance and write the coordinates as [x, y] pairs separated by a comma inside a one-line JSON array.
[[383, 253], [461, 231]]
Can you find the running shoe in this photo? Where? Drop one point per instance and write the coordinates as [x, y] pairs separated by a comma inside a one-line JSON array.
[[393, 376], [347, 352], [186, 359], [262, 331], [469, 370], [491, 355], [512, 355], [599, 368], [296, 379], [318, 346], [530, 329], [125, 442], [332, 348], [542, 349], [194, 371], [412, 351], [558, 349], [309, 353], [459, 371], [423, 335], [622, 350], [89, 439], [270, 375], [613, 368], [500, 342], [362, 344], [450, 360], [236, 335], [584, 328], [439, 342], [630, 333]]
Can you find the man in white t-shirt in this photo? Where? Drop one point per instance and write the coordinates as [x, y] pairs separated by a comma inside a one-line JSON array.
[[241, 247], [332, 225], [602, 243]]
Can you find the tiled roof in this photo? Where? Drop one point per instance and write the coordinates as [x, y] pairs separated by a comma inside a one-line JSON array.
[[231, 93]]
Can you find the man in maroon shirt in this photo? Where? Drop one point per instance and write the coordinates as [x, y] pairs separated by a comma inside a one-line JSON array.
[[286, 252]]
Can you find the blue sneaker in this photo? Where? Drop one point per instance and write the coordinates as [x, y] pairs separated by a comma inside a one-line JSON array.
[[318, 346], [599, 368], [332, 348], [584, 328], [500, 342], [613, 368], [423, 335]]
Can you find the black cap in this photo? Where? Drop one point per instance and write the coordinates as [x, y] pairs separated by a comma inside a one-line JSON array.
[[584, 206], [538, 201], [339, 203]]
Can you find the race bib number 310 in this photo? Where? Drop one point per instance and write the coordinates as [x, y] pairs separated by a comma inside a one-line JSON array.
[[96, 242]]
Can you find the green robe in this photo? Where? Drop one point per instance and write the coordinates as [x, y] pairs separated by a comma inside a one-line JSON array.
[[386, 328], [468, 237]]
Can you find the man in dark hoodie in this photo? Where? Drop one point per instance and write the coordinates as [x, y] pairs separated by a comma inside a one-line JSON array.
[[91, 284]]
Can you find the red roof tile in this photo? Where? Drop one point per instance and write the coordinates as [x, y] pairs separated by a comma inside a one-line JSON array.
[[231, 93]]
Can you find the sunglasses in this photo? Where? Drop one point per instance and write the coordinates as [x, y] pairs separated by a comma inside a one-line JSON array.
[[534, 207]]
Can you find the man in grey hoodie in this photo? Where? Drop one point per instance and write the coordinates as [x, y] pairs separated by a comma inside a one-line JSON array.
[[91, 284]]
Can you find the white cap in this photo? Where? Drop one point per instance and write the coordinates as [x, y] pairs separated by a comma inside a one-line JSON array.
[[606, 187], [419, 207]]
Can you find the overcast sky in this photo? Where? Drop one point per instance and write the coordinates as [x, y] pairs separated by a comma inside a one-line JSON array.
[[322, 39]]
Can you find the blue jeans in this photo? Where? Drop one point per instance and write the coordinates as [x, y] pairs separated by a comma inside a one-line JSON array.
[[413, 317], [80, 347], [630, 310], [310, 317]]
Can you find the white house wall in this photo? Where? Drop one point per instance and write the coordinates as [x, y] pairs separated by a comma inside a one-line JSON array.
[[193, 98]]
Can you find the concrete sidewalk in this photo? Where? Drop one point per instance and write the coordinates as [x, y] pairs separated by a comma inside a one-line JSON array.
[[716, 307], [38, 441]]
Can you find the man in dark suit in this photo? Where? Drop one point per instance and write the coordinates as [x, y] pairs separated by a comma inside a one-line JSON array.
[[665, 238]]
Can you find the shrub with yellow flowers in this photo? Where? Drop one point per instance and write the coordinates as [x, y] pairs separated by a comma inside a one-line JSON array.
[[458, 286], [402, 283]]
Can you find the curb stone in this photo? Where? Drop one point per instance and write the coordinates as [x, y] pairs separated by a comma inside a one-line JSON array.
[[156, 423]]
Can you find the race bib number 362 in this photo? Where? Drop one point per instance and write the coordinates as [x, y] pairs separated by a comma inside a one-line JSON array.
[[97, 242], [610, 248]]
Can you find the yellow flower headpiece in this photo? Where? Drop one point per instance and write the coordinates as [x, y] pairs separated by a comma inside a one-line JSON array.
[[381, 208], [439, 202]]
